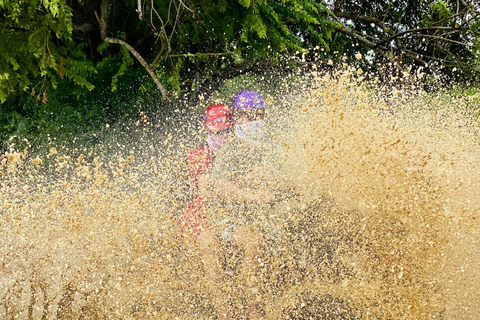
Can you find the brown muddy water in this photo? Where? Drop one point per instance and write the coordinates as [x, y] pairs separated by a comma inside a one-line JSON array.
[[380, 218]]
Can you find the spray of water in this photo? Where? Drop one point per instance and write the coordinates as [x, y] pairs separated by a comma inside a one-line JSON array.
[[378, 219]]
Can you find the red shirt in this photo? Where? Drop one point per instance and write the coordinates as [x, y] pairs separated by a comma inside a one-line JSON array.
[[194, 219]]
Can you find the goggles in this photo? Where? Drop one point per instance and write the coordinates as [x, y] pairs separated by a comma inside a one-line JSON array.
[[221, 119]]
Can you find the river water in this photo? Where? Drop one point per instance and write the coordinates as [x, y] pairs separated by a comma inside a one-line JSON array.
[[381, 221]]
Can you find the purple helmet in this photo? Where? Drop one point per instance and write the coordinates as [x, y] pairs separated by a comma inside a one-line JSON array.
[[247, 100]]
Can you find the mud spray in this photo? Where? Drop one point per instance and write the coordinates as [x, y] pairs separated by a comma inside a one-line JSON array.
[[380, 221]]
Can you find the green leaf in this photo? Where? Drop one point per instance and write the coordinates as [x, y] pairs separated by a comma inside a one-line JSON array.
[[222, 6], [104, 46], [245, 3]]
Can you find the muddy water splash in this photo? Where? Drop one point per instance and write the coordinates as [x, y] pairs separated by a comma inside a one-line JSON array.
[[381, 222]]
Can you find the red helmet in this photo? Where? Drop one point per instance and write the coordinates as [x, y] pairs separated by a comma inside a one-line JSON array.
[[218, 117]]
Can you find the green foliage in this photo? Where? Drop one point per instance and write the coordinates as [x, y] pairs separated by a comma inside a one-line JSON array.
[[76, 116], [36, 42], [237, 25], [439, 35], [175, 78], [440, 9], [52, 55], [245, 3], [127, 61]]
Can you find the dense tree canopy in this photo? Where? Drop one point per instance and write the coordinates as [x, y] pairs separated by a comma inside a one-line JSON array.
[[45, 41], [434, 34], [53, 48], [38, 45]]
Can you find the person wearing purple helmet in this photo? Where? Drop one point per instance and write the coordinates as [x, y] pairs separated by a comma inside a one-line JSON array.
[[249, 111], [238, 180]]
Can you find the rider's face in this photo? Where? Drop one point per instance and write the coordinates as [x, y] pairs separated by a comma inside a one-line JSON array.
[[248, 116], [219, 133], [242, 119]]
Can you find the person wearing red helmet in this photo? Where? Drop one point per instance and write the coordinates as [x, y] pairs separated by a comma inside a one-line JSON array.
[[194, 223], [217, 121]]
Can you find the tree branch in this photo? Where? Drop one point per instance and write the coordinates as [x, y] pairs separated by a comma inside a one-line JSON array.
[[461, 14], [415, 56], [466, 4], [160, 55], [215, 54], [163, 28], [142, 62], [412, 31], [139, 10], [355, 16], [341, 28], [440, 38], [175, 23], [103, 31]]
